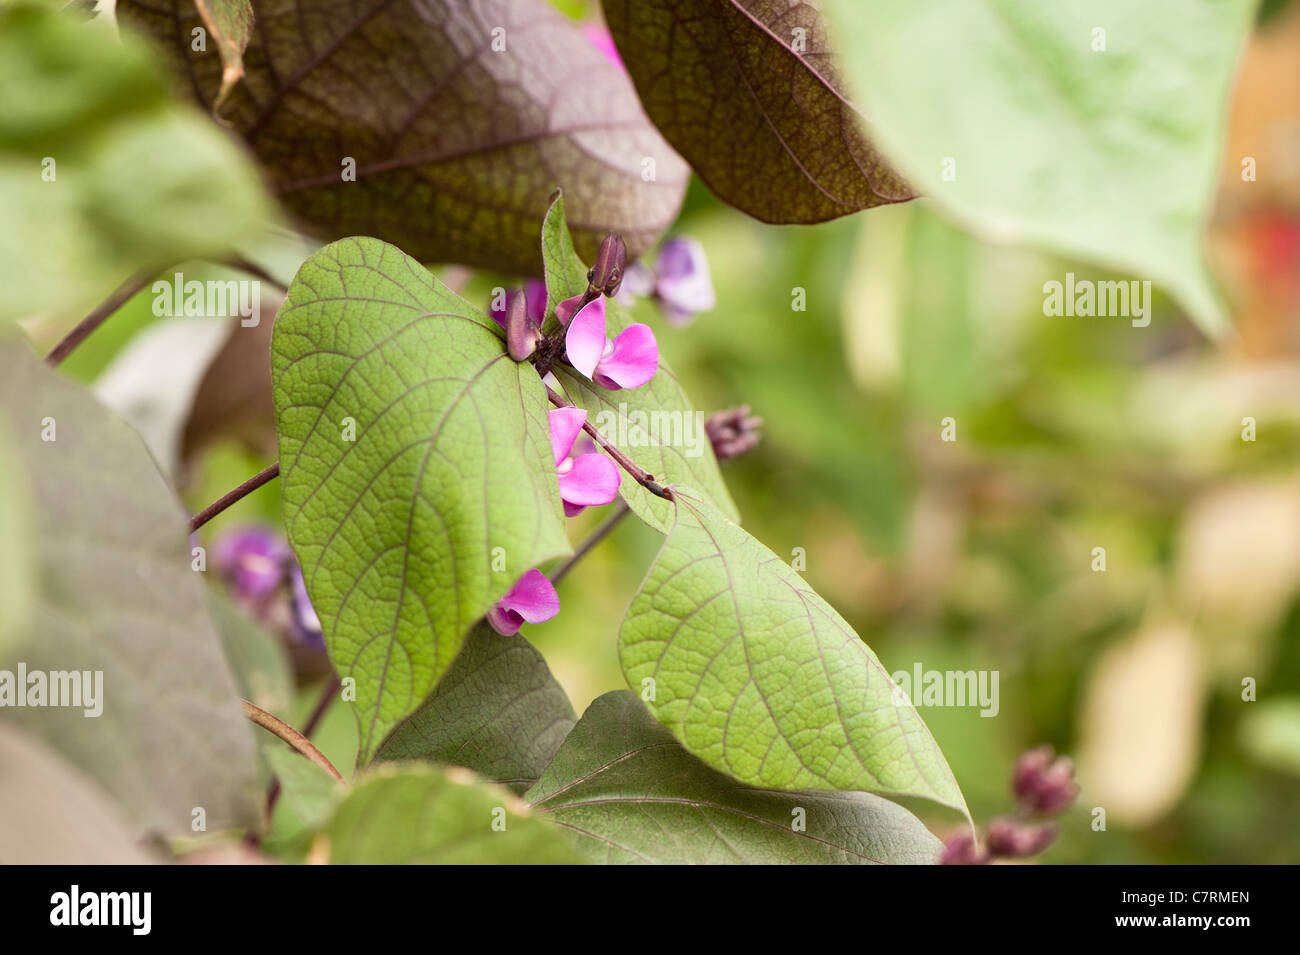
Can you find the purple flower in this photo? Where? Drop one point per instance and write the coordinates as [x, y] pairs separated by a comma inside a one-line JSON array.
[[531, 600], [629, 361], [252, 558], [306, 624], [683, 284], [534, 292], [586, 480]]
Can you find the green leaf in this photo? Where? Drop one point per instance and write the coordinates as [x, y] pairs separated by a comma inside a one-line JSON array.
[[137, 183], [51, 813], [655, 425], [414, 814], [17, 549], [761, 678], [411, 449], [459, 119], [116, 594], [497, 711], [750, 94], [258, 661], [1109, 155], [628, 792], [308, 790]]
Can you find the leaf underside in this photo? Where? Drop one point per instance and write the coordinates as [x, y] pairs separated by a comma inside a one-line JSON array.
[[412, 450]]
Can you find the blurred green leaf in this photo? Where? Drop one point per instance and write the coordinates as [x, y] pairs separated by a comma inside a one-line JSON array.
[[117, 595], [628, 792], [1271, 733], [414, 453], [100, 175], [413, 814], [1094, 129], [308, 790]]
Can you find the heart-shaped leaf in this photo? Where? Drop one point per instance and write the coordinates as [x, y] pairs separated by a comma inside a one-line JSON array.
[[416, 468], [655, 425], [497, 711], [440, 126], [416, 814], [1092, 128], [748, 91], [761, 678], [117, 596], [628, 792]]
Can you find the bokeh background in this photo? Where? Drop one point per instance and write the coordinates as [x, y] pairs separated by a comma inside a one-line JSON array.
[[1072, 434]]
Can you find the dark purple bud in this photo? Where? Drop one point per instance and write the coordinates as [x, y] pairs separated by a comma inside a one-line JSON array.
[[1017, 840], [732, 432], [522, 333], [1044, 783], [607, 274], [962, 850]]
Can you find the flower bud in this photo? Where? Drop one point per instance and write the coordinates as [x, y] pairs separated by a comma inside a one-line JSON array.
[[1044, 783], [607, 274], [1016, 840], [962, 850], [522, 333], [732, 432]]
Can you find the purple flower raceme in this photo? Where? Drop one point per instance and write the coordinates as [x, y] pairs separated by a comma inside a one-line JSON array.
[[586, 480], [628, 361], [531, 600]]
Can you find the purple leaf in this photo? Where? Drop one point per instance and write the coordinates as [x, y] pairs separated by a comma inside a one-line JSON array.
[[748, 92], [459, 119]]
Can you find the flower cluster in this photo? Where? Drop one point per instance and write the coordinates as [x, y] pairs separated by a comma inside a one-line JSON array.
[[1043, 784]]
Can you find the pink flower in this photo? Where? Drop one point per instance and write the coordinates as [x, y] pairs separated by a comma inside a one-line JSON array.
[[684, 286], [586, 480], [629, 361], [531, 600]]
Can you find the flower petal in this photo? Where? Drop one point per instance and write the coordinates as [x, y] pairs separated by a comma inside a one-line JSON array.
[[564, 310], [504, 622], [532, 597], [585, 340], [593, 480], [535, 291], [684, 280], [633, 361], [566, 425]]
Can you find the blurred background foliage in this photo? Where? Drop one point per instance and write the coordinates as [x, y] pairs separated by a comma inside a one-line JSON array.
[[1072, 434]]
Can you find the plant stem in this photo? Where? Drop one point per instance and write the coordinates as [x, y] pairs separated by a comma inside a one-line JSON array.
[[598, 535], [219, 505], [637, 473], [301, 744], [255, 270], [123, 294], [323, 704]]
